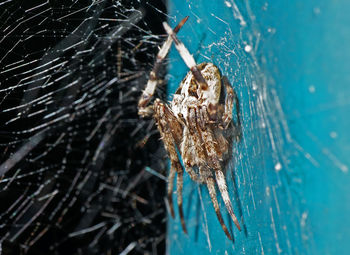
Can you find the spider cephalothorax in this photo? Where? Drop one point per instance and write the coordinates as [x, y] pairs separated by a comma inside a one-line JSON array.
[[198, 123]]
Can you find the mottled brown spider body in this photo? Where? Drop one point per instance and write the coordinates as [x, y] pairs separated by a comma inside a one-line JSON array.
[[190, 93], [198, 124]]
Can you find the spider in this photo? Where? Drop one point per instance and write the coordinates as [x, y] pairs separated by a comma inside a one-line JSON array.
[[197, 123]]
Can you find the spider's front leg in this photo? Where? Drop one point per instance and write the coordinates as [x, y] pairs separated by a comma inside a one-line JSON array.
[[147, 94], [171, 132]]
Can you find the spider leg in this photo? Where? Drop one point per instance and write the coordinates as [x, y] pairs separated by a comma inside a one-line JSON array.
[[195, 134], [187, 57], [214, 162], [194, 116], [221, 181], [188, 154], [212, 193], [191, 63], [222, 145], [179, 188], [170, 131], [231, 98], [147, 94]]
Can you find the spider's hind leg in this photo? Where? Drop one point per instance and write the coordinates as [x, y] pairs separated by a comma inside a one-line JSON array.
[[212, 192], [214, 163], [171, 132]]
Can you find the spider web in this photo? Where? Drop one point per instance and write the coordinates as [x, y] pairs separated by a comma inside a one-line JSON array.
[[81, 173], [73, 150]]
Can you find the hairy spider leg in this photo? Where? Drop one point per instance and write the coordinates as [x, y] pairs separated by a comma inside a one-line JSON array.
[[191, 64], [171, 131], [212, 193], [205, 173], [197, 141], [147, 94], [214, 163], [188, 154], [187, 57], [227, 116], [230, 99]]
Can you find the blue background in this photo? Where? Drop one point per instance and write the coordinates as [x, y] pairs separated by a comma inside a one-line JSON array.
[[289, 177]]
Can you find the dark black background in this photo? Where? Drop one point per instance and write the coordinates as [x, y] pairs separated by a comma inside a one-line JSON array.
[[82, 201]]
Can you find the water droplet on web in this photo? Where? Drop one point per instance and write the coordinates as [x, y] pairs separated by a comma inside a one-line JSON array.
[[278, 166], [317, 10], [312, 89], [271, 30], [254, 85], [248, 48], [333, 134], [344, 168], [228, 4]]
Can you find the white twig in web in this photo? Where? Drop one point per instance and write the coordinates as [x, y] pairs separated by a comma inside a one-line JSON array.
[[87, 230], [128, 249], [21, 153]]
